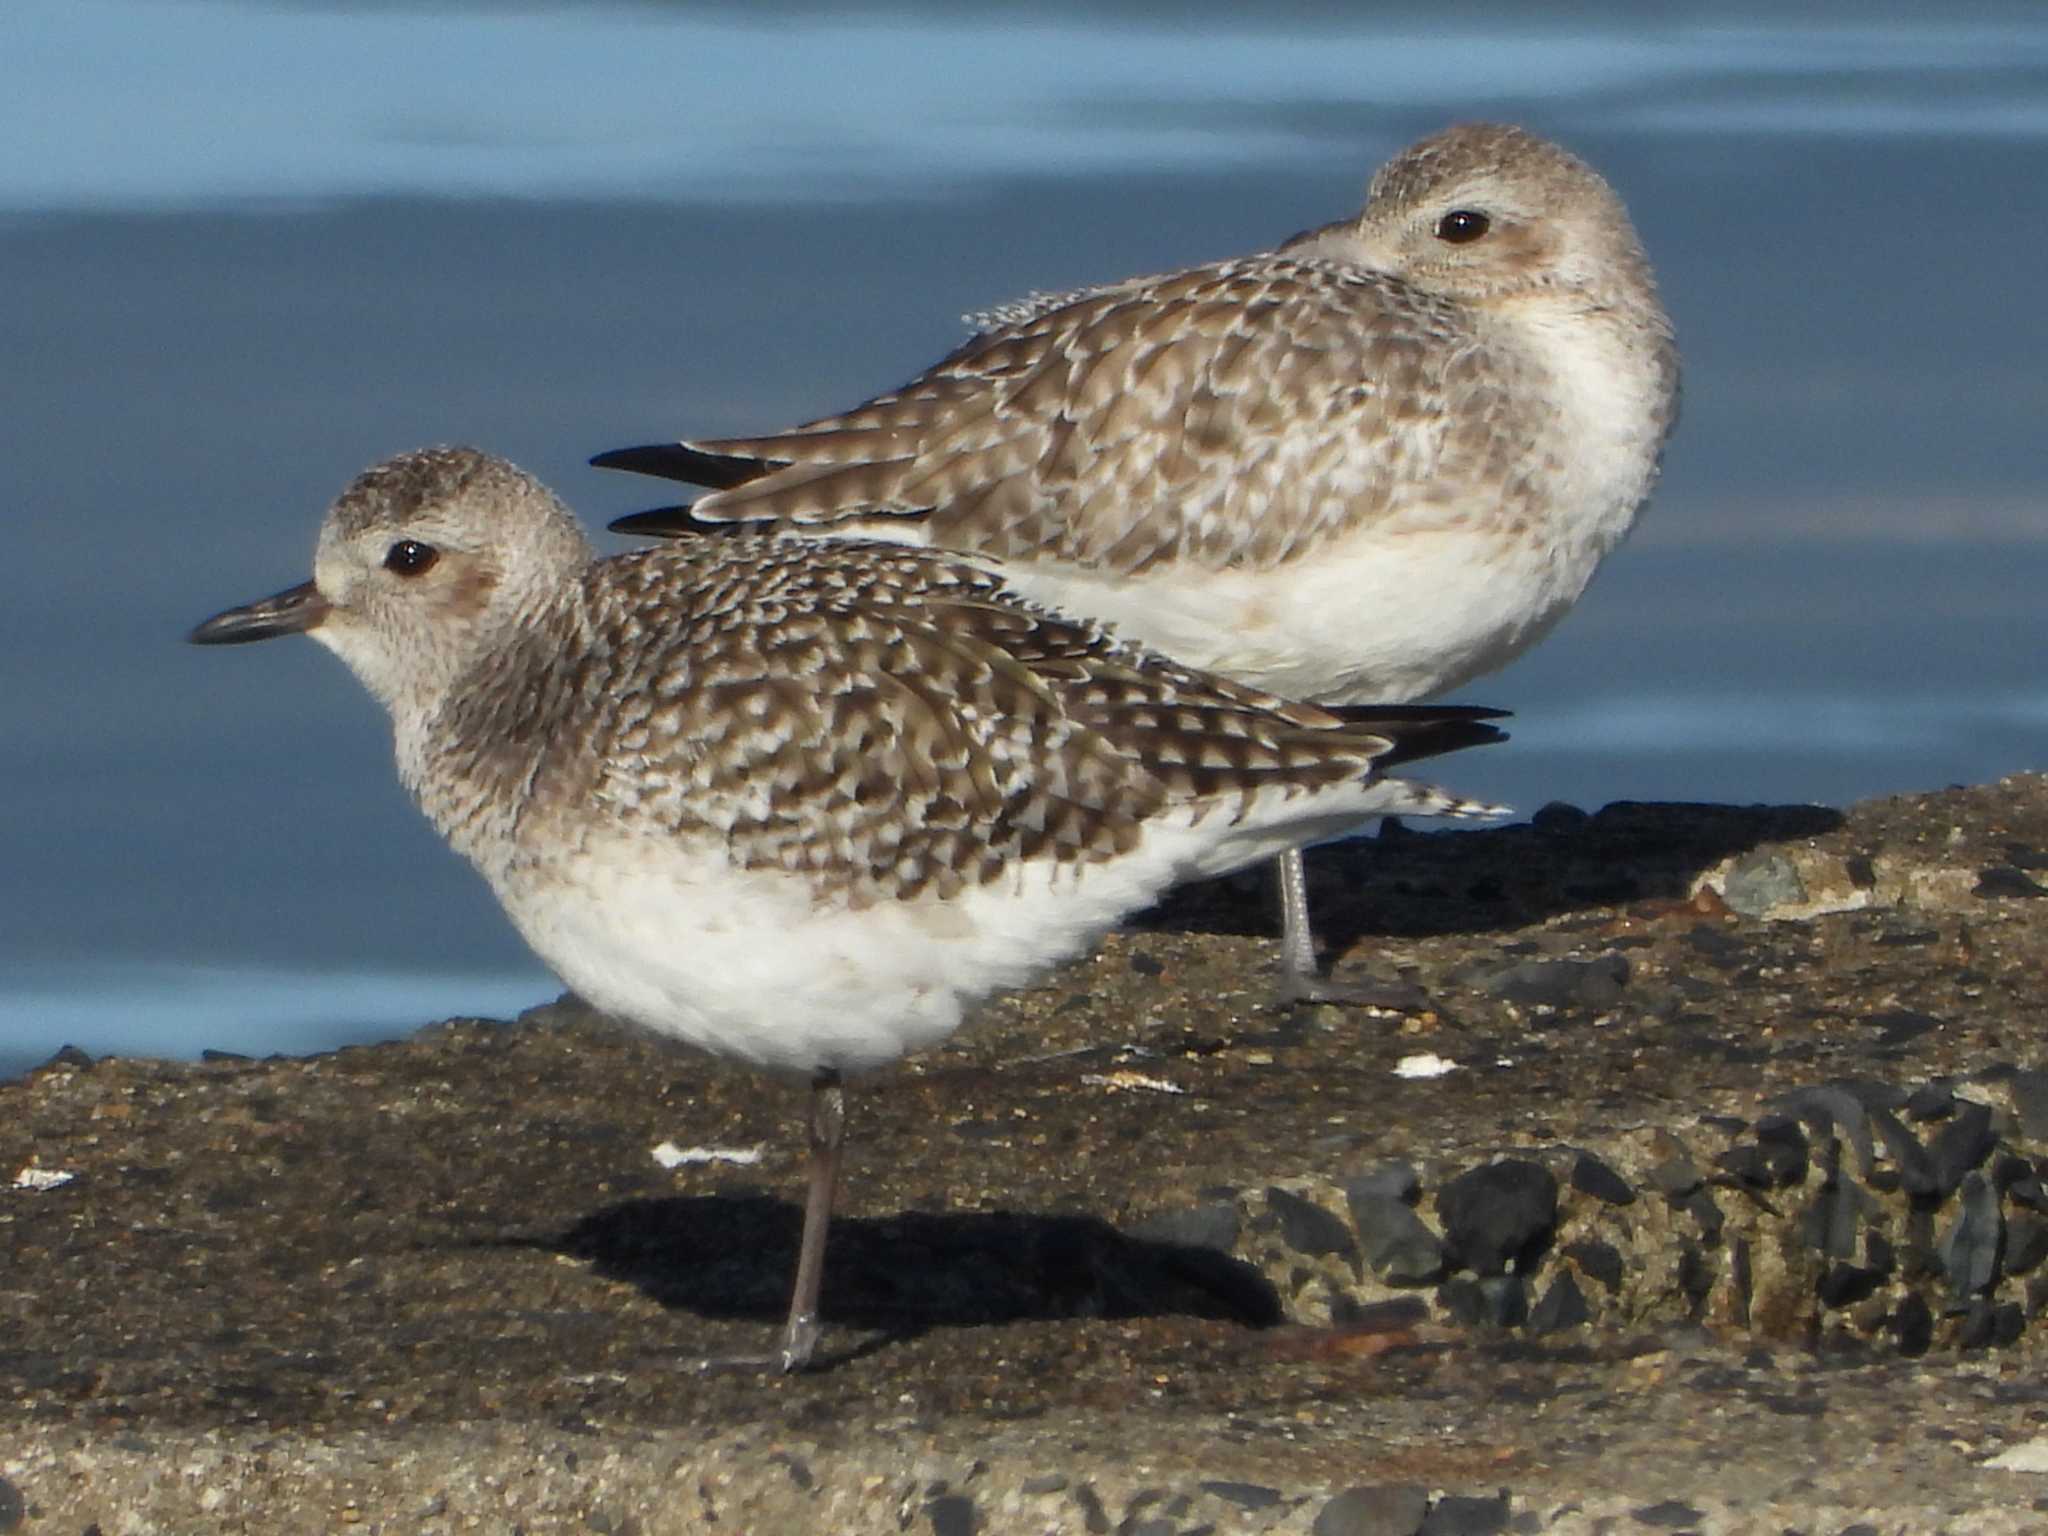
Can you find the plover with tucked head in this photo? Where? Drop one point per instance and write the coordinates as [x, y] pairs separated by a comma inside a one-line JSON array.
[[1374, 462], [800, 805]]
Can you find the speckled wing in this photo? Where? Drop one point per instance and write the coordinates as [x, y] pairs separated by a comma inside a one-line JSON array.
[[1234, 414], [884, 721]]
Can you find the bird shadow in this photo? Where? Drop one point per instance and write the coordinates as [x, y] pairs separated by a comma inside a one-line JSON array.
[[732, 1256], [1413, 884]]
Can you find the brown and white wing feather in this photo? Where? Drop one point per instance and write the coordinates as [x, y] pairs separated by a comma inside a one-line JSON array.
[[1234, 414]]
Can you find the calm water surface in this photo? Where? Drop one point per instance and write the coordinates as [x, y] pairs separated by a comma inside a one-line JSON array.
[[251, 247]]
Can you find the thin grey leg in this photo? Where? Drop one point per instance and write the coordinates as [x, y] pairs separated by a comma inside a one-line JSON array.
[[1300, 981], [827, 1137]]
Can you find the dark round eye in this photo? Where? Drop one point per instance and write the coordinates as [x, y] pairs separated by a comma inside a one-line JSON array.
[[409, 557], [1461, 226]]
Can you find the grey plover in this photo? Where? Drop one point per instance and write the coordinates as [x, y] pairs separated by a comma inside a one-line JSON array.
[[800, 804], [1372, 463]]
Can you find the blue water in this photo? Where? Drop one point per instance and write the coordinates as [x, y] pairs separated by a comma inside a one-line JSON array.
[[248, 248]]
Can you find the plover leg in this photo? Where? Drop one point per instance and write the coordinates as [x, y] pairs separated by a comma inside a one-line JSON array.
[[1301, 979], [826, 1131]]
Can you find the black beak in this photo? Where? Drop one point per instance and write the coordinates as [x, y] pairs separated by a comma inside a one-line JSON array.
[[290, 612]]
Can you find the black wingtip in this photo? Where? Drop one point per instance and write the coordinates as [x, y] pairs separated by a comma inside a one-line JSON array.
[[663, 523], [679, 461]]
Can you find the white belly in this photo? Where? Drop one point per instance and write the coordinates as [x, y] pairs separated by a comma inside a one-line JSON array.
[[1379, 620]]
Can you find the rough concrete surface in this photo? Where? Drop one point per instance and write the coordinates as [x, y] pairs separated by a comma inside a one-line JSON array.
[[1694, 1185]]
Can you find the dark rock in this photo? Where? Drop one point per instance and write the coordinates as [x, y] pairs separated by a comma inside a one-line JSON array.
[[1504, 1300], [1158, 1525], [1747, 1165], [2021, 856], [2029, 1192], [1497, 1214], [1463, 1301], [1669, 1515], [1843, 1285], [1309, 1229], [1695, 1276], [1706, 1210], [1902, 1026], [1913, 1325], [1395, 1509], [1931, 1101], [1784, 1148], [953, 1514], [2007, 1169], [1961, 1145], [1595, 983], [1832, 1109], [1398, 1247], [1211, 1225], [1244, 1495], [2008, 1322], [1146, 965], [13, 1507], [1395, 1180], [1592, 1177], [1562, 1306], [1977, 1328], [2026, 1242], [1044, 1482], [1460, 1515], [1676, 1176], [1917, 1173], [1094, 1518], [2004, 880], [1597, 1261], [1721, 949], [1969, 1250]]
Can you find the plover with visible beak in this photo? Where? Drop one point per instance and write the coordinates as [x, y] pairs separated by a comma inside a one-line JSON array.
[[800, 805], [1372, 463]]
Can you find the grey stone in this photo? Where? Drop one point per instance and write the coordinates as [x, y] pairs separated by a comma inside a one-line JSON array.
[[1917, 1173], [1307, 1228], [1398, 1246], [1669, 1514], [1394, 1180], [1244, 1495], [953, 1514], [1394, 1509], [2026, 1242], [1969, 1250], [1462, 1515], [1831, 1222], [1375, 1510], [1214, 1224], [1594, 983], [1761, 883], [1562, 1306], [1961, 1145]]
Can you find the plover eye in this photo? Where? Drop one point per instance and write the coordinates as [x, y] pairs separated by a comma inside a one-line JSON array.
[[1461, 226], [409, 557]]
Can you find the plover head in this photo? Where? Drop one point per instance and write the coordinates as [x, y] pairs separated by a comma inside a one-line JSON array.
[[1484, 212], [424, 562]]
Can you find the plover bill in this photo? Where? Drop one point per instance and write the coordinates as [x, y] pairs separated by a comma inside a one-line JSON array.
[[800, 804], [1372, 463]]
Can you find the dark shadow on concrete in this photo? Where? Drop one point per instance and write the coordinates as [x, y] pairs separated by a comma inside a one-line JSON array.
[[1414, 884], [733, 1256]]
